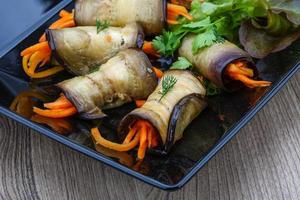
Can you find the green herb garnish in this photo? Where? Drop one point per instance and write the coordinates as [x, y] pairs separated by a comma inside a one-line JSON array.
[[182, 63], [101, 25], [213, 20], [168, 83]]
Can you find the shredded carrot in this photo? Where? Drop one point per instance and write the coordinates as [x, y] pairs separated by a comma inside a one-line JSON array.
[[130, 135], [149, 49], [142, 133], [66, 20], [140, 103], [174, 11], [143, 143], [158, 72], [60, 103], [46, 73], [39, 54], [240, 72], [56, 113], [42, 74], [64, 13], [114, 146], [37, 58], [232, 68], [250, 82], [150, 133], [42, 46]]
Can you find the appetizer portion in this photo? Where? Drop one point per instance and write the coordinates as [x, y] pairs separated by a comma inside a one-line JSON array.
[[223, 63], [80, 49], [126, 77], [152, 15], [161, 121], [149, 13], [38, 55]]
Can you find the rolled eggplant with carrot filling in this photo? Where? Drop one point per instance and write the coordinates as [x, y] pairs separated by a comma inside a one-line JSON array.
[[161, 121], [225, 64], [126, 77], [152, 15], [81, 49]]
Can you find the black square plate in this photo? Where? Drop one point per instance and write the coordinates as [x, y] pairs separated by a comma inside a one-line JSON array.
[[224, 117]]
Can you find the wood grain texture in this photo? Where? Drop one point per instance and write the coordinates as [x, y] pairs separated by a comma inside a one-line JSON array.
[[261, 162]]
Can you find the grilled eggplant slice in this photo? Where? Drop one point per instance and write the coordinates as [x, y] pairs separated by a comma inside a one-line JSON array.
[[171, 114], [126, 77], [81, 49], [150, 14], [212, 61]]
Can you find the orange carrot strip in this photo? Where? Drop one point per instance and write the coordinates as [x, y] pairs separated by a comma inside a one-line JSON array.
[[60, 21], [233, 68], [150, 133], [140, 103], [43, 46], [42, 74], [64, 13], [58, 113], [149, 49], [64, 22], [158, 72], [249, 82], [67, 24], [114, 146], [37, 58], [46, 73], [179, 10], [130, 135], [143, 143], [60, 103]]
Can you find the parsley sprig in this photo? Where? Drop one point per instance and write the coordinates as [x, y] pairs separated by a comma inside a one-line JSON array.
[[213, 20], [101, 25], [168, 83]]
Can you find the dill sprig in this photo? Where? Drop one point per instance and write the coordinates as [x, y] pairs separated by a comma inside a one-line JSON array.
[[168, 83], [101, 25]]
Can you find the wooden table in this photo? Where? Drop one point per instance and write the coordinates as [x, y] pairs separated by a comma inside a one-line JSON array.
[[261, 162]]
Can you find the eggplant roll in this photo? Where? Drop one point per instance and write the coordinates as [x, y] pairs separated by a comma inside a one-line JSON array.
[[126, 77], [150, 14], [81, 49], [212, 61], [171, 114]]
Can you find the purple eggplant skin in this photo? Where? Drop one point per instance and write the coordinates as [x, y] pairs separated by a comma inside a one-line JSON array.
[[171, 114], [81, 49], [150, 14], [212, 61], [126, 77]]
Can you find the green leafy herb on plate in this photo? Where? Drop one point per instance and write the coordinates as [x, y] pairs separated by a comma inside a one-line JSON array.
[[182, 63]]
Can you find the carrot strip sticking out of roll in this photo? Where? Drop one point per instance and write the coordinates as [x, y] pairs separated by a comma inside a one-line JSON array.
[[240, 72], [61, 108], [141, 133], [174, 11], [39, 54], [149, 49]]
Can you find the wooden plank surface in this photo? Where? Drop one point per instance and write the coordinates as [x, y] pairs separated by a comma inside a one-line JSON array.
[[262, 162]]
